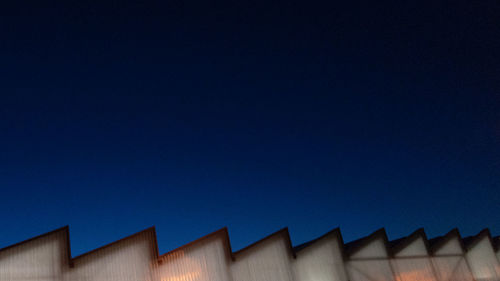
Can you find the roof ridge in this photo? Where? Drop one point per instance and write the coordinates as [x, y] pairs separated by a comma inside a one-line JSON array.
[[438, 242], [471, 241], [400, 244], [283, 231], [223, 231], [64, 228], [354, 246], [105, 246], [335, 231]]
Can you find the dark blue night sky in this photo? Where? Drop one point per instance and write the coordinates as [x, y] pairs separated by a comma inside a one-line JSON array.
[[194, 115]]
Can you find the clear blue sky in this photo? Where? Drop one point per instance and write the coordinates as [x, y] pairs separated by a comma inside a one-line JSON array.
[[194, 115]]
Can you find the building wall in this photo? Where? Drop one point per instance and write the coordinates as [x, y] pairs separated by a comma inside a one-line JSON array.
[[42, 259], [128, 260], [135, 258]]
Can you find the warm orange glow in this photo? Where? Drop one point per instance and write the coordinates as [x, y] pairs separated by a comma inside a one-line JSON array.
[[187, 264], [190, 276], [414, 275]]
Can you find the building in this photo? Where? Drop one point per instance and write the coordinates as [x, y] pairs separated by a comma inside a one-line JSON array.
[[372, 258]]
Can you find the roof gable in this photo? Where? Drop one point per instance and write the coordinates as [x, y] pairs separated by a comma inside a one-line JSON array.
[[373, 245], [414, 244]]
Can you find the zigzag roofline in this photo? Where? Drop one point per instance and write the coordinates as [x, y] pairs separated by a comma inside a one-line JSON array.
[[347, 249], [471, 241], [398, 245], [221, 232], [335, 232], [282, 232], [149, 229], [355, 246], [438, 242], [64, 228]]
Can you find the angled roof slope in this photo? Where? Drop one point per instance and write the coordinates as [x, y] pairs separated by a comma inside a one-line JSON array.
[[150, 230], [471, 241], [348, 249], [355, 246], [221, 233], [438, 242], [280, 233], [400, 244], [334, 232], [61, 229]]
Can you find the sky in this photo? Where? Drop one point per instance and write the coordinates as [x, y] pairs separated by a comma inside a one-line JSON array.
[[194, 115]]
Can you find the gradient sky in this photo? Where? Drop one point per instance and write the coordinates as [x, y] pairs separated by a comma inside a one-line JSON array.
[[194, 115]]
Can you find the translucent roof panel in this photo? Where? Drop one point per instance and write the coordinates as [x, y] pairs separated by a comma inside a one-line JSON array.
[[450, 247], [135, 258], [370, 263], [413, 269], [412, 263], [321, 261], [376, 269], [483, 261], [267, 261], [415, 248], [374, 249], [452, 268], [203, 261]]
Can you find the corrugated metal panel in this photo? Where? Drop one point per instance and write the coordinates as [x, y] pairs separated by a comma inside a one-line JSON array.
[[135, 258], [41, 259], [203, 261], [129, 260]]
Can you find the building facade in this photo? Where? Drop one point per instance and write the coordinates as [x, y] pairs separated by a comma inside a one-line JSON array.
[[210, 258]]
